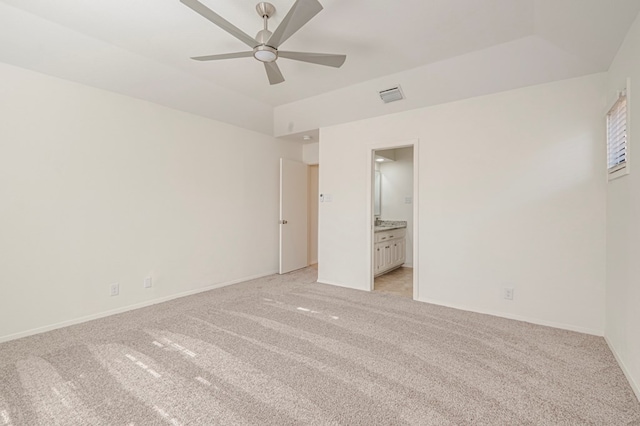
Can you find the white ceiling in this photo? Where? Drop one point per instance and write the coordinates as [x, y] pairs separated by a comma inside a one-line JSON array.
[[141, 48]]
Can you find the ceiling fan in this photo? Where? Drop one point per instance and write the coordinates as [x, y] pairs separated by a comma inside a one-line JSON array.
[[266, 43]]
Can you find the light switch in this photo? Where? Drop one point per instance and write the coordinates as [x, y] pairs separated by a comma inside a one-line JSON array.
[[408, 200]]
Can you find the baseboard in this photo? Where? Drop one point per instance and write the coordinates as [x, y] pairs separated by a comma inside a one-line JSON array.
[[110, 312], [562, 326], [625, 370], [340, 285]]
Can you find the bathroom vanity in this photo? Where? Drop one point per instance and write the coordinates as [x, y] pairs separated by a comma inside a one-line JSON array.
[[389, 248]]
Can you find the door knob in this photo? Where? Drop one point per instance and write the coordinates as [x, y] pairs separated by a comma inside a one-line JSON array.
[[283, 222]]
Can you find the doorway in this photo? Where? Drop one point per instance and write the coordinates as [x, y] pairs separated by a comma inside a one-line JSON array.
[[298, 230], [393, 213]]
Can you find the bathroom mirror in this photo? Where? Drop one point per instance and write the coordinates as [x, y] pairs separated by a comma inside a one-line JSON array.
[[376, 194]]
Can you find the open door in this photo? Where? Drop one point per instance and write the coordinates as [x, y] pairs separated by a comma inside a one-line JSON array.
[[293, 216]]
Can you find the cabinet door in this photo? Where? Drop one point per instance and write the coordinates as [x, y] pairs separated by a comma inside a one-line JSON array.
[[378, 257], [394, 252], [388, 256], [402, 252]]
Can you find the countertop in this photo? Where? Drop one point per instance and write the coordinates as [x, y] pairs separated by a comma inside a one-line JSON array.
[[388, 225]]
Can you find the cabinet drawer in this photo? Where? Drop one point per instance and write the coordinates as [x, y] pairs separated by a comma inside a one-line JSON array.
[[390, 235]]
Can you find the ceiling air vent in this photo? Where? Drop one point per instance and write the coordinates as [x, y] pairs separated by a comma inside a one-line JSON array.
[[391, 95]]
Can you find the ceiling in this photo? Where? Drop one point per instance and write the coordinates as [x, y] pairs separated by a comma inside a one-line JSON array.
[[141, 48]]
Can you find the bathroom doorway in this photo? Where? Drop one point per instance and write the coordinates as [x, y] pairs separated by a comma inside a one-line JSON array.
[[393, 212]]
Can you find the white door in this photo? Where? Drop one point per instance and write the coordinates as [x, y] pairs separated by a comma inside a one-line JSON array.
[[293, 215]]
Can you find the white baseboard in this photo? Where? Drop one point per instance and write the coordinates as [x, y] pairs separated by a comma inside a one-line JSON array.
[[625, 370], [341, 285], [127, 308], [570, 327]]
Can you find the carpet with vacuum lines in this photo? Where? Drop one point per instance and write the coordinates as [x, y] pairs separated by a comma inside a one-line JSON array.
[[285, 350]]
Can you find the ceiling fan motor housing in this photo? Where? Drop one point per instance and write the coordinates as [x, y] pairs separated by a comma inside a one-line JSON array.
[[263, 36]]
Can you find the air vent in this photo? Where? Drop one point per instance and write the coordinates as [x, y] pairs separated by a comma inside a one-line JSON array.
[[391, 95]]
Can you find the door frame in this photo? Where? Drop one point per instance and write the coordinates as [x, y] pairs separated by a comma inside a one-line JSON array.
[[316, 194], [415, 143]]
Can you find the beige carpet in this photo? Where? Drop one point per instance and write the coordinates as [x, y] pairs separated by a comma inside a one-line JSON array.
[[284, 350]]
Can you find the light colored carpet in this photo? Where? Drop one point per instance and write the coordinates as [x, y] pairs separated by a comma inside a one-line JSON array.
[[284, 350]]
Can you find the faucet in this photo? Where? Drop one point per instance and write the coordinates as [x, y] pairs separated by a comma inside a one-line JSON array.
[[377, 222]]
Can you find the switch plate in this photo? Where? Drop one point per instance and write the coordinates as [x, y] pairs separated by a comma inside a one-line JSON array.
[[408, 200], [114, 290], [148, 282], [508, 293]]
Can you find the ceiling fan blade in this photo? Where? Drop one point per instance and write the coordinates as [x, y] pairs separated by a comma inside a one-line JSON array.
[[203, 10], [273, 72], [223, 56], [327, 59], [300, 13]]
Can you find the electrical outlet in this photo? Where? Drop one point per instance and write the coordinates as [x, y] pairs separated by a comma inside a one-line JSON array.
[[147, 282], [115, 289], [508, 293]]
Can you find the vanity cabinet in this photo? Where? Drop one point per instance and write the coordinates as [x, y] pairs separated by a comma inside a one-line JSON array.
[[389, 250]]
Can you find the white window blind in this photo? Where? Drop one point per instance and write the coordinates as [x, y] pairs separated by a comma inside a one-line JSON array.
[[617, 142]]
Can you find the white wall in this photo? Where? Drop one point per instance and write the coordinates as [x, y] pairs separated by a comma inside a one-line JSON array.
[[465, 76], [397, 184], [623, 223], [98, 188], [69, 54], [311, 153], [511, 194]]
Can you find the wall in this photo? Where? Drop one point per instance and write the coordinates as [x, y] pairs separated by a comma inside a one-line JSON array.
[[511, 194], [44, 46], [99, 188], [397, 184], [310, 153], [623, 224], [460, 77]]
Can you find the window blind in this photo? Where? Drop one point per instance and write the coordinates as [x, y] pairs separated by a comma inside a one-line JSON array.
[[617, 135]]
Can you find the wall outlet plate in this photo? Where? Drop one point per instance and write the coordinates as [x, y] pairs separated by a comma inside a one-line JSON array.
[[148, 282], [114, 289]]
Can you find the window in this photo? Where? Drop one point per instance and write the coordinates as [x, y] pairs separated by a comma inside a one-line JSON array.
[[617, 138]]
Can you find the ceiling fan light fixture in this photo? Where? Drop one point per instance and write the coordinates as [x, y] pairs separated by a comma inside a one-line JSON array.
[[265, 53]]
